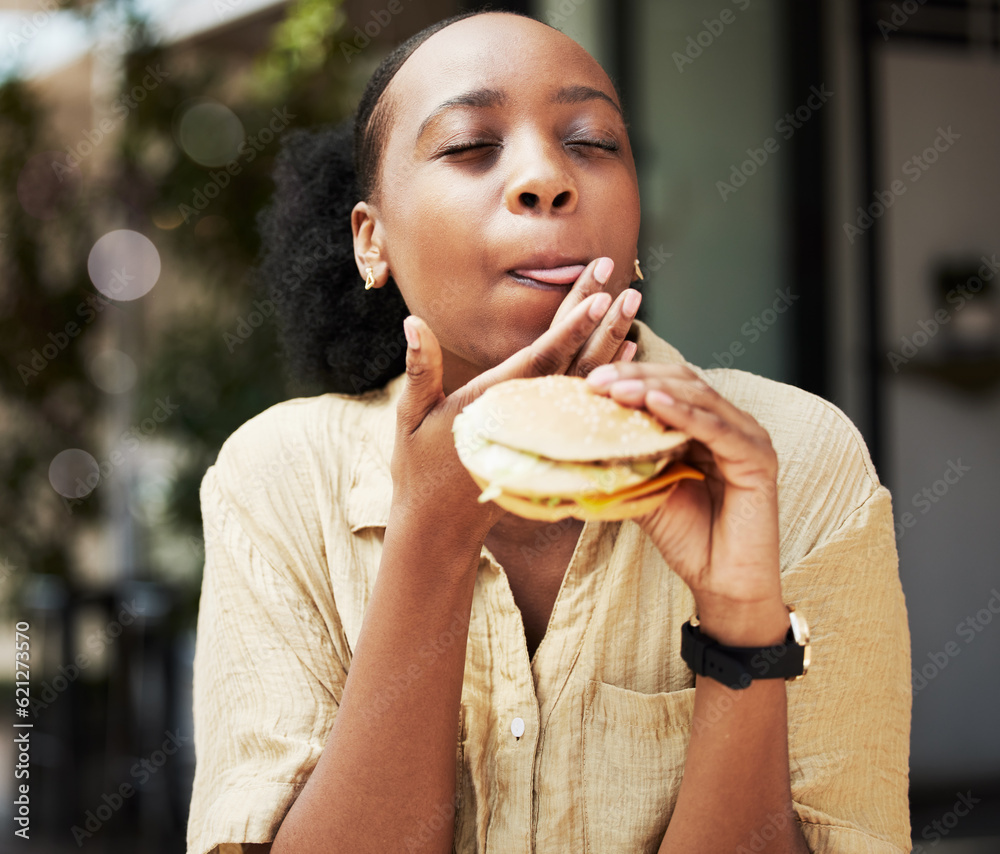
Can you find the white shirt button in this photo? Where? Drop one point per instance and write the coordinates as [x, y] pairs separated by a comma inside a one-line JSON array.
[[517, 727]]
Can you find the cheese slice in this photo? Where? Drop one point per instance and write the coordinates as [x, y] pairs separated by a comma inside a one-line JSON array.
[[678, 471]]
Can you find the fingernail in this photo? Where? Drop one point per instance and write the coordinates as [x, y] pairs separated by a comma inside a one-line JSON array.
[[600, 306], [412, 336], [602, 272], [631, 304], [602, 376], [631, 348], [660, 397]]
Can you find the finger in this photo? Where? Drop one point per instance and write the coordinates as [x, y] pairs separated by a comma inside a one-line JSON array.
[[423, 387], [626, 352], [551, 353], [591, 281], [729, 443], [629, 382], [608, 338]]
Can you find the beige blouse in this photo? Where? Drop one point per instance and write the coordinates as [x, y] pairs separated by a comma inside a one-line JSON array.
[[295, 510]]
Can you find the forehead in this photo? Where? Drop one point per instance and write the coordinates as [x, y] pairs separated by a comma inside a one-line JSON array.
[[523, 57]]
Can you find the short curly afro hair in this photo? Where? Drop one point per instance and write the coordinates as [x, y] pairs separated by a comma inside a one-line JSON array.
[[335, 335]]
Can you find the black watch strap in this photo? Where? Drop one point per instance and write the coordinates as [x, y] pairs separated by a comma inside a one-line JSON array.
[[737, 666]]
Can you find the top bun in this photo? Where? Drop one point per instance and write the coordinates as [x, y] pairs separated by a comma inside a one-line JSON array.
[[561, 418]]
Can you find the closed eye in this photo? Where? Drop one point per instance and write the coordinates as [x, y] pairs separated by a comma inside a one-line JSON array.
[[603, 144], [468, 146]]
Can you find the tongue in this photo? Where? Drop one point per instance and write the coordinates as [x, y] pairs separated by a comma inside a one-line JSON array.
[[554, 275]]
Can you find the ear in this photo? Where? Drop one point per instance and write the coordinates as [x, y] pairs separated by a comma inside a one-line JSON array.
[[369, 243]]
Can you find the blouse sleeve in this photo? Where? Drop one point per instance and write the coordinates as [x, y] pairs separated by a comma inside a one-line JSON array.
[[849, 718], [267, 684]]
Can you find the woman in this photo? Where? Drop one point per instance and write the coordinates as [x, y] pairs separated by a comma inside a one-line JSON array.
[[385, 664]]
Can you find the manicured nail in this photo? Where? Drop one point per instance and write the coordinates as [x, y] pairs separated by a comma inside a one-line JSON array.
[[662, 398], [602, 272], [602, 376], [600, 306], [410, 331], [631, 304], [631, 348]]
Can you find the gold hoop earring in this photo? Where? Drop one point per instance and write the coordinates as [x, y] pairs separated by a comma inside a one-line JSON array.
[[638, 272], [369, 279]]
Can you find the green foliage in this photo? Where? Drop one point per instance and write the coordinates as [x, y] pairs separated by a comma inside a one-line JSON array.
[[184, 335]]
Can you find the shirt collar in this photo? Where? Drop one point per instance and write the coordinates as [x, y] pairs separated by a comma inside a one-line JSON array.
[[370, 492]]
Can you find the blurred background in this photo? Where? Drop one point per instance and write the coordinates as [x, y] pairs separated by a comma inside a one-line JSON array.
[[820, 185]]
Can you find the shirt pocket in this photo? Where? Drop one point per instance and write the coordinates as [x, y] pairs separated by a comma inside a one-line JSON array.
[[634, 747]]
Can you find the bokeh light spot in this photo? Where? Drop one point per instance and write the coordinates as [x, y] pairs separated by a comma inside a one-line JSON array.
[[210, 133], [74, 473], [113, 371], [124, 265]]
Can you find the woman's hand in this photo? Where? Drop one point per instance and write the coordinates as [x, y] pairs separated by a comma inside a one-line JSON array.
[[607, 343], [431, 488], [719, 535]]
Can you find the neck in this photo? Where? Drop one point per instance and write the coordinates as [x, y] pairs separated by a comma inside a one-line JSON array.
[[457, 371], [514, 529]]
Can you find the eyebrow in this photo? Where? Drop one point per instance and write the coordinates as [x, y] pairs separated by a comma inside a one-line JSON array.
[[579, 94], [491, 98], [483, 98]]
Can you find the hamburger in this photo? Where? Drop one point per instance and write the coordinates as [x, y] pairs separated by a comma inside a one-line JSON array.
[[549, 447]]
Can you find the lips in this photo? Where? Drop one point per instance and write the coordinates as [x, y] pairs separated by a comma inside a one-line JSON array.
[[565, 275]]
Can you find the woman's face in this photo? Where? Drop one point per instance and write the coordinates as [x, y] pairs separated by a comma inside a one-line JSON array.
[[507, 156]]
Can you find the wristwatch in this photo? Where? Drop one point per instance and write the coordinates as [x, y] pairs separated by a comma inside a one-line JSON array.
[[737, 666]]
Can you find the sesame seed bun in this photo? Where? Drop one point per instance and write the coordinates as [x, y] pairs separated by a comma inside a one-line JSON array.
[[561, 418]]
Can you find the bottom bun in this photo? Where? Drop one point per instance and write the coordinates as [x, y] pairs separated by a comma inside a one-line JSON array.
[[627, 509]]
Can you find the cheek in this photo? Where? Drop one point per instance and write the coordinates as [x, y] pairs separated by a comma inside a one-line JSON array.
[[436, 250], [438, 228], [441, 232]]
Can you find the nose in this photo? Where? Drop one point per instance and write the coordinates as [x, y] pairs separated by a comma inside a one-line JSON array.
[[538, 182]]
